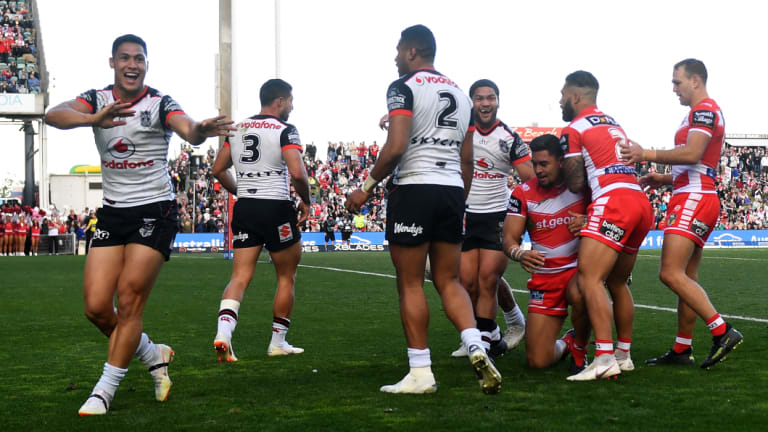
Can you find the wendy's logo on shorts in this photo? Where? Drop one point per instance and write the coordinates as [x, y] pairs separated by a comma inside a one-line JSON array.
[[121, 148]]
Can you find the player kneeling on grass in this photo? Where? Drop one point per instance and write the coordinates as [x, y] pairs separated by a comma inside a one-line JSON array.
[[553, 217], [265, 150]]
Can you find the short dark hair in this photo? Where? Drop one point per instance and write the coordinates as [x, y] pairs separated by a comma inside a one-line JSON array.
[[583, 79], [483, 83], [128, 38], [421, 38], [693, 67], [547, 142], [273, 89]]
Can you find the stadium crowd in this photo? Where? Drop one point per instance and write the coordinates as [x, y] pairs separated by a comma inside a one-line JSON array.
[[742, 186], [18, 71]]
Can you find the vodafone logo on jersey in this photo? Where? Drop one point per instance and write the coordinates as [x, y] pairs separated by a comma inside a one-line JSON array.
[[127, 164], [256, 124], [434, 79], [121, 147]]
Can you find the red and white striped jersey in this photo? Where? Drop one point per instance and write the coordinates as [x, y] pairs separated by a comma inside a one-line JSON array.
[[546, 211], [595, 137], [496, 151], [257, 155], [707, 118]]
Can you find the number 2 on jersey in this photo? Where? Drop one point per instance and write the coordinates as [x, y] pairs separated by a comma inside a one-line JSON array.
[[445, 117], [251, 152]]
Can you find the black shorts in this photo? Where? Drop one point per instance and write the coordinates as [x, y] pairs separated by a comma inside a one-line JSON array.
[[271, 223], [154, 225], [483, 231], [346, 235], [421, 213], [330, 236]]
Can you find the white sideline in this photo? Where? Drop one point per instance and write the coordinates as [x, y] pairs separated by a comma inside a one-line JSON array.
[[659, 308]]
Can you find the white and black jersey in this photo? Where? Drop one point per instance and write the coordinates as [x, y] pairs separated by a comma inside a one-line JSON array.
[[257, 155], [442, 115], [134, 157], [496, 151]]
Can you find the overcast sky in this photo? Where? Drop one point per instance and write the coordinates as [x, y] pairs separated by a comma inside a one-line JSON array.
[[339, 57]]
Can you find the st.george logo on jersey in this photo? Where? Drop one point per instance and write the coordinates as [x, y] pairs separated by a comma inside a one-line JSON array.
[[285, 233]]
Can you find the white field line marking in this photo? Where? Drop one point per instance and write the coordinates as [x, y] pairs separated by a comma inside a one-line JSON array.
[[711, 257], [659, 308]]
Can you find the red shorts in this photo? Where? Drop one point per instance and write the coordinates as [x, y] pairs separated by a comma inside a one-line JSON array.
[[620, 219], [547, 292], [692, 215]]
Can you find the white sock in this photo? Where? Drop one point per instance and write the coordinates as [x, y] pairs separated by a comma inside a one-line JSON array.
[[228, 313], [419, 358], [146, 351], [560, 347], [471, 336], [109, 380], [514, 317], [279, 329]]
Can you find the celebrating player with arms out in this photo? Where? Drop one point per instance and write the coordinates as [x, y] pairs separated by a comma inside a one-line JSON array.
[[553, 215], [429, 147], [497, 150], [132, 126], [691, 214], [618, 219], [265, 151]]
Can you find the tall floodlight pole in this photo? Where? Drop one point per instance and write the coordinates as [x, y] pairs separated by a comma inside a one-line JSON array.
[[277, 38], [225, 60]]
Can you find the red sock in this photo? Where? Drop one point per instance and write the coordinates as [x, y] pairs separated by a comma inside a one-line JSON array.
[[624, 344], [603, 347], [716, 325], [579, 353], [568, 339], [682, 342]]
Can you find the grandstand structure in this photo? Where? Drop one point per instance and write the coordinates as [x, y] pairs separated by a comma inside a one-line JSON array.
[[22, 99]]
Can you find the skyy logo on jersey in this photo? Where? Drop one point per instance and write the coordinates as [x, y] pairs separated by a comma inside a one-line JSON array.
[[121, 147]]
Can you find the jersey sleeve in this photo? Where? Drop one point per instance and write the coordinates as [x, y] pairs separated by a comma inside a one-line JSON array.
[[289, 139], [570, 142], [518, 149], [516, 205], [168, 109], [703, 120], [399, 99], [89, 98]]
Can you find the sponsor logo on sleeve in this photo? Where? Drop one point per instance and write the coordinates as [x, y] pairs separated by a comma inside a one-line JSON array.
[[564, 143], [293, 137], [396, 99], [514, 205], [612, 231], [597, 120], [704, 118]]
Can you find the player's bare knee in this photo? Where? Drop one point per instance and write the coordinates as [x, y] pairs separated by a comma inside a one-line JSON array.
[[537, 360], [671, 278]]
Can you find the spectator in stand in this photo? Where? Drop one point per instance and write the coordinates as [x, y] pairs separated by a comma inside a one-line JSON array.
[[373, 152], [362, 151]]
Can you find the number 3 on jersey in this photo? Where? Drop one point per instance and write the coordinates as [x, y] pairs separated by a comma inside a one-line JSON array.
[[445, 117], [251, 153]]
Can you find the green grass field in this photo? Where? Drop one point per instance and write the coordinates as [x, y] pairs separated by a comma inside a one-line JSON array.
[[349, 324]]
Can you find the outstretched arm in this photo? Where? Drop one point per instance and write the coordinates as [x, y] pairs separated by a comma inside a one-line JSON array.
[[73, 113], [196, 132]]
